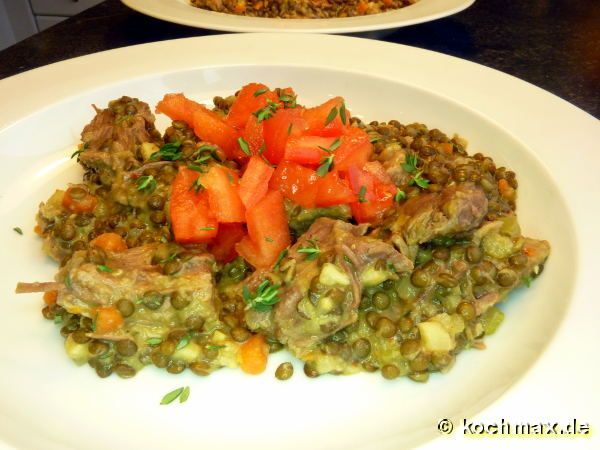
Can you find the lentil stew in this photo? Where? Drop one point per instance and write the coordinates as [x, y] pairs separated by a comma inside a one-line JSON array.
[[259, 224]]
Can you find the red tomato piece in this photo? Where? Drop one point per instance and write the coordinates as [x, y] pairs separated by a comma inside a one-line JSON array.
[[355, 150], [331, 190], [255, 181], [178, 107], [268, 232], [374, 197], [251, 98], [307, 149], [285, 124], [191, 218], [223, 246], [318, 118], [211, 127], [253, 135], [223, 197], [295, 182]]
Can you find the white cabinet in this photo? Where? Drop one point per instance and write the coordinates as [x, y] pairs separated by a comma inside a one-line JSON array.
[[61, 7], [20, 19]]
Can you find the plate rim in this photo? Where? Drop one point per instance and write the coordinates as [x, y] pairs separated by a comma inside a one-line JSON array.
[[530, 94], [227, 22]]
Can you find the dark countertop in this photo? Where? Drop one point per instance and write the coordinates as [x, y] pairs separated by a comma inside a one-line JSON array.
[[554, 44]]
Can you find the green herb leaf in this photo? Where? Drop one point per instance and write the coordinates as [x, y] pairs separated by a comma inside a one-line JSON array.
[[362, 192], [196, 186], [331, 115], [171, 396], [410, 163], [260, 92], [244, 146], [527, 279], [282, 255], [183, 342], [197, 168], [374, 139], [266, 112], [289, 101], [168, 152], [215, 347], [269, 239], [348, 260], [419, 180], [326, 165], [400, 195], [207, 229], [68, 281], [154, 341], [343, 113], [206, 152], [103, 268], [289, 131], [264, 298], [18, 230], [147, 182], [76, 153], [184, 395], [58, 319], [311, 252]]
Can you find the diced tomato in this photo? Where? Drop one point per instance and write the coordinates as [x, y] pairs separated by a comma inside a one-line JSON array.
[[253, 135], [354, 150], [251, 98], [297, 183], [255, 181], [318, 118], [331, 190], [223, 247], [376, 169], [223, 197], [78, 200], [307, 149], [268, 232], [374, 197], [211, 127], [178, 107], [285, 124], [191, 218]]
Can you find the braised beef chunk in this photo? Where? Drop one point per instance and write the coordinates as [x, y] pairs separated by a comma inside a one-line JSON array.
[[96, 278], [326, 271], [457, 209], [118, 137]]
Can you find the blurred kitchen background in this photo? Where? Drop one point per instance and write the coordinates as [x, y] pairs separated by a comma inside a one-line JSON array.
[[20, 19]]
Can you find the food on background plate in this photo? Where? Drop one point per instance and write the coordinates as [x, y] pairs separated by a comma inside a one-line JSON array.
[[301, 9], [260, 224]]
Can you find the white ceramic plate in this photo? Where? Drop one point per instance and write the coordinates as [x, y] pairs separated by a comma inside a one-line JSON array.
[[541, 365], [180, 11]]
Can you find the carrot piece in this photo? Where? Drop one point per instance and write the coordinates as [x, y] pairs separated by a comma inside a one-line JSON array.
[[50, 297], [108, 319], [38, 230], [506, 189], [77, 200], [254, 354], [446, 147], [111, 242]]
